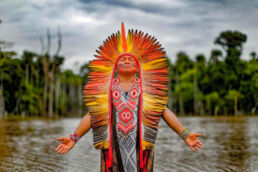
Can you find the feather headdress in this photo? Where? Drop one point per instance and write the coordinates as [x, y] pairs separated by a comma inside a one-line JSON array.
[[153, 74]]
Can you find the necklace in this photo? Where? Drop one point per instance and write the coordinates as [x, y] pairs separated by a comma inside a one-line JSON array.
[[127, 87]]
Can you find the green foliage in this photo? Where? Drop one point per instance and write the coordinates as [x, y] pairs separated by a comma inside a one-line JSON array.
[[220, 84], [23, 84]]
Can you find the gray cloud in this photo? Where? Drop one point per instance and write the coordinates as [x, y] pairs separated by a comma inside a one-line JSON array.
[[187, 25]]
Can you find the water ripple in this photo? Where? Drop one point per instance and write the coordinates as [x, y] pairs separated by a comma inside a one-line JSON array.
[[230, 144]]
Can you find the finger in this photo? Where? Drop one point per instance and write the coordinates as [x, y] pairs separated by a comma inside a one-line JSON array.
[[198, 134], [60, 138], [195, 147], [199, 142], [198, 146], [63, 151], [58, 147], [60, 150], [192, 148]]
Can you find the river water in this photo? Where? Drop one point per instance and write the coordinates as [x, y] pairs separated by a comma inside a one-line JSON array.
[[230, 144]]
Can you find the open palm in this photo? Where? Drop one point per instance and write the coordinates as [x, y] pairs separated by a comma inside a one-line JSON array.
[[193, 142], [65, 146]]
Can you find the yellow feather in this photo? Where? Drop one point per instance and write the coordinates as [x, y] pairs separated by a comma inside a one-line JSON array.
[[99, 68], [147, 145], [120, 44], [155, 64], [129, 42]]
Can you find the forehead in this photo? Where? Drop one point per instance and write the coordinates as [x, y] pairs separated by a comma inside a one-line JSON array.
[[126, 57]]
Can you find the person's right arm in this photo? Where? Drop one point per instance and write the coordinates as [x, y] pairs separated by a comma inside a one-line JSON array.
[[84, 125], [67, 142]]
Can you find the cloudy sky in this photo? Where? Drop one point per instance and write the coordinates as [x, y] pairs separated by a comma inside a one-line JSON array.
[[179, 25]]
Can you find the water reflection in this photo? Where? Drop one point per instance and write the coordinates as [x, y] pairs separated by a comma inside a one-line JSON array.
[[230, 144], [232, 140]]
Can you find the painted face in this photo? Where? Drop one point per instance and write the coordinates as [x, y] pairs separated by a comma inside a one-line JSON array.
[[126, 65]]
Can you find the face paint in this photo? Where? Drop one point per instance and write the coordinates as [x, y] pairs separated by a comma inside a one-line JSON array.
[[126, 65]]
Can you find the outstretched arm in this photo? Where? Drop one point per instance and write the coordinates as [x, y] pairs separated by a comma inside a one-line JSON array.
[[190, 138], [68, 142], [84, 125], [172, 121]]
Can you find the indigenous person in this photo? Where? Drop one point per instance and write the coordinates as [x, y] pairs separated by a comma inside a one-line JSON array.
[[127, 96]]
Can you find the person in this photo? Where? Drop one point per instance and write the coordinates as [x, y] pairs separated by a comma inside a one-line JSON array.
[[127, 96]]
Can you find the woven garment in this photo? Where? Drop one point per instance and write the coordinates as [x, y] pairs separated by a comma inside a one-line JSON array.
[[148, 163], [126, 105], [125, 144]]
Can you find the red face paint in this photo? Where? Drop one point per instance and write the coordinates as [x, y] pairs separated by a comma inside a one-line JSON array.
[[126, 65]]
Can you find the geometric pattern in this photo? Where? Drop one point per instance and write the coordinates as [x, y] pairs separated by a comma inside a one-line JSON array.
[[126, 122], [125, 105]]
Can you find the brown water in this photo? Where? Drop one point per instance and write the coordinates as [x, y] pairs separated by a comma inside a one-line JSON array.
[[230, 144]]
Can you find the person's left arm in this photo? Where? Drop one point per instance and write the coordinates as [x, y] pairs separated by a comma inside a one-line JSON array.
[[190, 138]]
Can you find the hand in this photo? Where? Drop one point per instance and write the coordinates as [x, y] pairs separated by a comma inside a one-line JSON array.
[[193, 142], [65, 146]]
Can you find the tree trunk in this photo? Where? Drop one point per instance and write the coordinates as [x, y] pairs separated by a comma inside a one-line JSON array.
[[181, 104], [57, 92], [235, 103], [80, 99], [177, 82], [216, 110], [253, 110], [63, 105], [2, 107], [196, 109], [208, 102], [170, 98], [45, 68], [201, 108], [71, 97], [51, 89]]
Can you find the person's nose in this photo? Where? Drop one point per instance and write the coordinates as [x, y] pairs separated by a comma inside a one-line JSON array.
[[127, 60]]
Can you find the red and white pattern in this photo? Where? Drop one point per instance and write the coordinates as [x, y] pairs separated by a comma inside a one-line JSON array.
[[116, 94], [137, 80], [134, 93], [125, 108], [116, 81], [126, 120]]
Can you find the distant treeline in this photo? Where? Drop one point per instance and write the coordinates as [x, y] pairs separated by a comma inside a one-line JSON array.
[[222, 84], [34, 85]]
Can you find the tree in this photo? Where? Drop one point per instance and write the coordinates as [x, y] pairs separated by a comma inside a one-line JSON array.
[[253, 55], [199, 68], [50, 66], [231, 40], [232, 101], [215, 56], [183, 63]]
